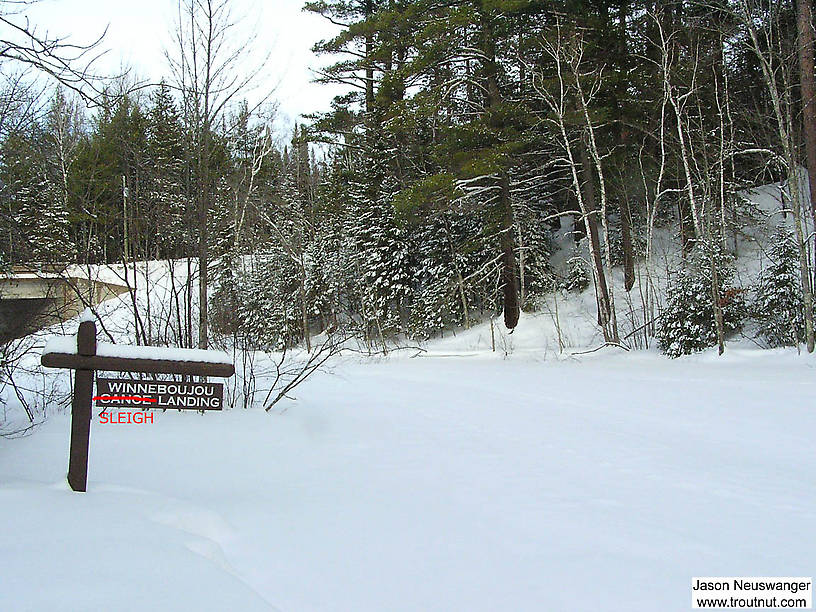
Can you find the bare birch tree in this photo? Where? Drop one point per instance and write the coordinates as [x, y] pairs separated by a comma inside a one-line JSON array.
[[212, 65], [561, 103], [774, 68]]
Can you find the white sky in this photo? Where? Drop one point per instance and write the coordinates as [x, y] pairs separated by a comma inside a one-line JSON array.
[[139, 31]]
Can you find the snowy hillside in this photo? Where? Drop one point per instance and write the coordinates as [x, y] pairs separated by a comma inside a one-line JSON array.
[[478, 471]]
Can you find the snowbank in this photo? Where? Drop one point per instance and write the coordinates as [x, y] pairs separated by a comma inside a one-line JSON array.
[[431, 484]]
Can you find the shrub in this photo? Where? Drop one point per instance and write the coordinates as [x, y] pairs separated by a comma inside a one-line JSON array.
[[577, 277], [687, 323]]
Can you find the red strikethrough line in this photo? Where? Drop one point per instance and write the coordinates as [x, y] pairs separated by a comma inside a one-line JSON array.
[[108, 398]]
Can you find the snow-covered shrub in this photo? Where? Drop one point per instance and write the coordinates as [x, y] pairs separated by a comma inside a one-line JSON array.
[[431, 310], [779, 306], [577, 278], [687, 323], [535, 242], [449, 255], [261, 305], [224, 303]]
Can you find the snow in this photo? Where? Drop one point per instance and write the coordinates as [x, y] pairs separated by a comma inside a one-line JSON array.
[[105, 349], [474, 472], [87, 316], [64, 345], [599, 483], [111, 274], [67, 345], [114, 274]]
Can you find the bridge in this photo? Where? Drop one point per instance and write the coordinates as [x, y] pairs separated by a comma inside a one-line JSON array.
[[34, 297]]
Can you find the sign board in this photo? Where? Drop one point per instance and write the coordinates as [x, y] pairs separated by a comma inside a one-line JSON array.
[[158, 394], [87, 357]]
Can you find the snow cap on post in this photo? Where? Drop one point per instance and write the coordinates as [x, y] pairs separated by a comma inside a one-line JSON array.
[[87, 316], [86, 338]]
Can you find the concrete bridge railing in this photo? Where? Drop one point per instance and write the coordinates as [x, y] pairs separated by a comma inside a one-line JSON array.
[[33, 298]]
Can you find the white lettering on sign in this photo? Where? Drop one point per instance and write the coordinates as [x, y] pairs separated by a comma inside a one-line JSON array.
[[129, 393]]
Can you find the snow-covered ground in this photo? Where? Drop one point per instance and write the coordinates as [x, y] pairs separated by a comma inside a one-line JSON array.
[[431, 483], [451, 476]]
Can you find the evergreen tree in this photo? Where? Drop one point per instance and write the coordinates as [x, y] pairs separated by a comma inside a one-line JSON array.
[[164, 192], [107, 185], [382, 249], [687, 322], [447, 255], [779, 305], [39, 223], [61, 135], [577, 278]]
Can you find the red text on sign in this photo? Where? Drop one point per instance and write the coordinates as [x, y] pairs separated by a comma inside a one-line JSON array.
[[126, 418]]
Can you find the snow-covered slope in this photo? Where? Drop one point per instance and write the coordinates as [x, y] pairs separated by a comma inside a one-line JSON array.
[[431, 484], [535, 476]]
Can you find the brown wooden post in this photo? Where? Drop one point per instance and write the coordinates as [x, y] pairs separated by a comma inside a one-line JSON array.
[[81, 410]]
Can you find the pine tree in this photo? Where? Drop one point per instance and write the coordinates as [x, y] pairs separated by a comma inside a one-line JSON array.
[[61, 135], [577, 278], [269, 305], [385, 259], [165, 178], [779, 305], [38, 214], [687, 323]]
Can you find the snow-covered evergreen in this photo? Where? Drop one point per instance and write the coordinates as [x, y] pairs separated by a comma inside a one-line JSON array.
[[687, 323], [779, 306]]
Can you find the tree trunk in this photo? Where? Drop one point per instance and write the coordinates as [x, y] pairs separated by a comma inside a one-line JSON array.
[[509, 282], [783, 121], [304, 309], [626, 244], [588, 190], [623, 137], [369, 70], [203, 251], [804, 25], [493, 97]]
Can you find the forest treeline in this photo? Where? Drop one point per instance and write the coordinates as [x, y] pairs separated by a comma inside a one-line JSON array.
[[429, 195]]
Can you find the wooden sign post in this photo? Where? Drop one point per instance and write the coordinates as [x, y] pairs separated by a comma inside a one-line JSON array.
[[87, 358], [81, 410]]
